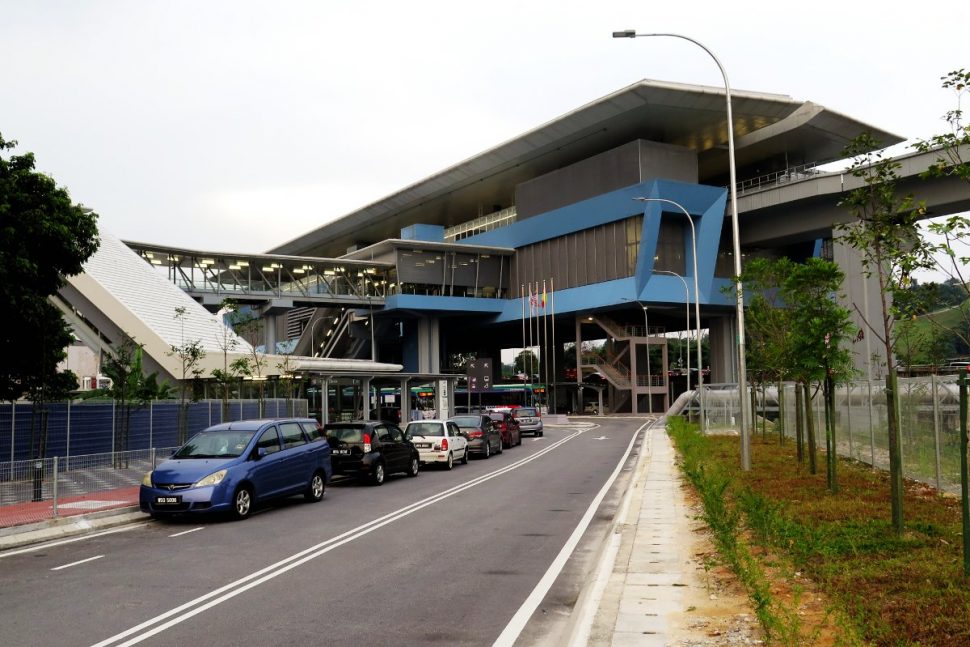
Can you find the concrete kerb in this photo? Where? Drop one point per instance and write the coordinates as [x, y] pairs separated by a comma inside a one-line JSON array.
[[64, 527], [590, 598]]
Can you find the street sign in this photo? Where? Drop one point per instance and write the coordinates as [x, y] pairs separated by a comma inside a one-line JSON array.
[[479, 373]]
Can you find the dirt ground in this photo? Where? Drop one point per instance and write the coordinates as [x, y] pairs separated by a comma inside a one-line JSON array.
[[720, 611]]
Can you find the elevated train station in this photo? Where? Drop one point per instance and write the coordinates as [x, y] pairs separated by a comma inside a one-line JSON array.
[[445, 267]]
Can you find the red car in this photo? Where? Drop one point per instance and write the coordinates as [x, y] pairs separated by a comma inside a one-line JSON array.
[[508, 427]]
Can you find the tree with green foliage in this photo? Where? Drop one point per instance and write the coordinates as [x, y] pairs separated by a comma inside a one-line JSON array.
[[231, 372], [768, 326], [250, 328], [190, 354], [885, 232], [44, 238], [952, 254], [820, 328], [130, 387]]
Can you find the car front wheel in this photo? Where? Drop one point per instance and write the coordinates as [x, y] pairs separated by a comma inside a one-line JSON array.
[[242, 502]]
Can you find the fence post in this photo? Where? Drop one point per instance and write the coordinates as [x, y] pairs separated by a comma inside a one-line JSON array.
[[54, 487], [113, 417], [13, 427], [848, 416], [964, 486], [936, 431], [151, 419], [872, 432]]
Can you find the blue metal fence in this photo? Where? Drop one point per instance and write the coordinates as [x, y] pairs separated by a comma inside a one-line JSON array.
[[76, 428]]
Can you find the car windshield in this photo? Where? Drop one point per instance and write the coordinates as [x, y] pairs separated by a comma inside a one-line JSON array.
[[426, 429], [499, 417], [345, 434], [524, 412], [215, 444], [467, 421]]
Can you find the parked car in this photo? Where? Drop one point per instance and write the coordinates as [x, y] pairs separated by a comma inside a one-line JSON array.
[[507, 426], [234, 465], [438, 441], [371, 449], [483, 436], [529, 419]]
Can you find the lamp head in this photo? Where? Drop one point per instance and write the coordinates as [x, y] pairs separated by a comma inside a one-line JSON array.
[[626, 33]]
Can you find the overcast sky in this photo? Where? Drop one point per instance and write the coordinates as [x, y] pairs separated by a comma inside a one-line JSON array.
[[237, 126]]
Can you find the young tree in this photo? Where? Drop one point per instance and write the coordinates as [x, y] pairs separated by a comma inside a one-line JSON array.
[[820, 327], [250, 328], [43, 239], [885, 233], [130, 387], [190, 354], [230, 372], [768, 328]]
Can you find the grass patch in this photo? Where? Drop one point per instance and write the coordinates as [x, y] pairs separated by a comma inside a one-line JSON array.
[[887, 589]]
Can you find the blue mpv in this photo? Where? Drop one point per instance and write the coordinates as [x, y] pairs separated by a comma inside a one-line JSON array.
[[231, 466]]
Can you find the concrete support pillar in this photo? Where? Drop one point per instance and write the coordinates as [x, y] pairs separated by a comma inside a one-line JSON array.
[[365, 398], [269, 333], [723, 339], [860, 294], [324, 400], [405, 400], [429, 346]]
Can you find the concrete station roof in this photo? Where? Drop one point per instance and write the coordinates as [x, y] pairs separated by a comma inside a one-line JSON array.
[[766, 127]]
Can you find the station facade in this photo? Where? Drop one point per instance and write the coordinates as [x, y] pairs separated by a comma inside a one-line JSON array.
[[582, 224]]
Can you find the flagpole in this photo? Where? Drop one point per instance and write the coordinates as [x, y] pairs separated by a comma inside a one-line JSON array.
[[528, 396], [545, 347], [552, 306], [522, 293]]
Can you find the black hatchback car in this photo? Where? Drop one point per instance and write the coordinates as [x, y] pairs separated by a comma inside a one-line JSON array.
[[370, 449]]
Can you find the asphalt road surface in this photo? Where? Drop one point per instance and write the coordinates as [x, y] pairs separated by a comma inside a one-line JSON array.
[[466, 557]]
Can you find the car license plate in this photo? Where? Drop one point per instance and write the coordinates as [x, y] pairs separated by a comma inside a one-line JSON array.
[[341, 451], [167, 500], [423, 445]]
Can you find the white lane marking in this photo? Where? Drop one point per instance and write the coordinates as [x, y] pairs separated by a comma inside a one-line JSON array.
[[82, 561], [522, 616], [185, 532], [601, 438], [194, 607], [51, 544]]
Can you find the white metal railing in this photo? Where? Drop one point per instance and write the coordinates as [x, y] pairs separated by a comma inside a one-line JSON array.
[[484, 223]]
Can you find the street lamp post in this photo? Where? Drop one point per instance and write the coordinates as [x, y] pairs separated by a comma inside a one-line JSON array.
[[736, 238], [697, 297], [687, 306]]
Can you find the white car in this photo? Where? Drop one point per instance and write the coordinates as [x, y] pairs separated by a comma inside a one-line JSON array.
[[438, 441]]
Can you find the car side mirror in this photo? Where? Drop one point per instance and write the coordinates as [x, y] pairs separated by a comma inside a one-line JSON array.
[[259, 453], [407, 435]]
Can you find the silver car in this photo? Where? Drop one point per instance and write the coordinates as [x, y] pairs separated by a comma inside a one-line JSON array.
[[529, 419]]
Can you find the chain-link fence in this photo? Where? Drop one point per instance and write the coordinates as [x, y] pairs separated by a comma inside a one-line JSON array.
[[929, 411], [79, 472], [36, 490]]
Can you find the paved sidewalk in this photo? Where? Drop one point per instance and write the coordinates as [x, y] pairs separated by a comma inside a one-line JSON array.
[[650, 589]]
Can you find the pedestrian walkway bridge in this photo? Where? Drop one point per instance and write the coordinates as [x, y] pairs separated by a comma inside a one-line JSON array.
[[274, 280]]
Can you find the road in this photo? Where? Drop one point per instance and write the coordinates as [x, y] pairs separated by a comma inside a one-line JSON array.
[[450, 558]]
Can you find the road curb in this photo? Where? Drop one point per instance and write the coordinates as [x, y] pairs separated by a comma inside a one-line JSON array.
[[64, 527], [583, 617]]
